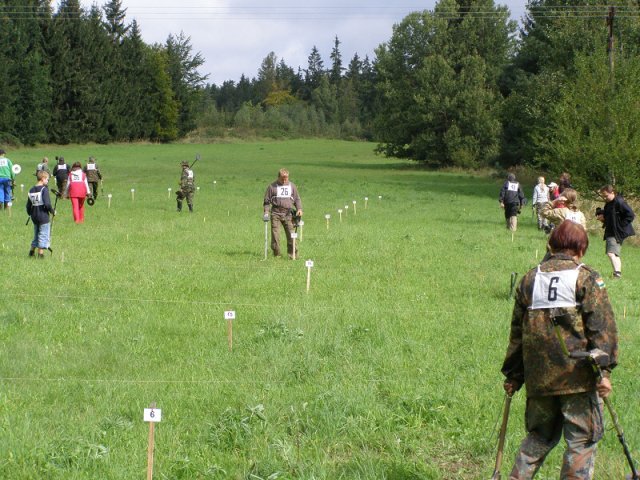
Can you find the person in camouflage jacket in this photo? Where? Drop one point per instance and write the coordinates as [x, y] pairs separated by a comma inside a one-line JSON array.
[[281, 201], [561, 305], [94, 177], [187, 187]]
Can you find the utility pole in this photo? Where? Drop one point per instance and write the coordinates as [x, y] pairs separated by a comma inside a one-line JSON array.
[[612, 12]]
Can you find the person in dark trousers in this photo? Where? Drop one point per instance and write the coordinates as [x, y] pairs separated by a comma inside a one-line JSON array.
[[279, 200], [511, 200], [61, 172], [617, 218], [94, 177], [561, 307], [39, 207]]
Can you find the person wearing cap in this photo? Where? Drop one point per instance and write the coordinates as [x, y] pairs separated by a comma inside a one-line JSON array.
[[511, 200], [7, 177], [281, 200], [61, 172], [94, 176], [554, 191], [187, 187], [77, 190], [564, 208]]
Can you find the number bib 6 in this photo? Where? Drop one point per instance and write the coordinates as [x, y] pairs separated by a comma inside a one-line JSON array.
[[555, 289]]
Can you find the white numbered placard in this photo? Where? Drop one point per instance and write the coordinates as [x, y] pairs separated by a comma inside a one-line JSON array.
[[308, 263], [230, 315], [152, 415], [294, 235], [133, 190], [301, 223], [327, 216]]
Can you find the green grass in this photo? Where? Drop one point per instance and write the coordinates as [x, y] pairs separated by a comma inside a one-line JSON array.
[[389, 368]]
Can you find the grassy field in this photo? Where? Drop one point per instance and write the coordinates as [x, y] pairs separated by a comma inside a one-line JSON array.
[[388, 368]]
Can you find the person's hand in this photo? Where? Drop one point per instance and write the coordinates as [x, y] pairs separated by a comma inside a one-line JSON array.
[[604, 387], [510, 387], [299, 213], [501, 205], [265, 217]]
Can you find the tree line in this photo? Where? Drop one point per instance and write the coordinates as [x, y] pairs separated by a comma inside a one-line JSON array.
[[76, 76], [461, 85]]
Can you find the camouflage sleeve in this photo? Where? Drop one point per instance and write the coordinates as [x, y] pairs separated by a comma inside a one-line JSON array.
[[513, 365], [267, 197], [598, 318]]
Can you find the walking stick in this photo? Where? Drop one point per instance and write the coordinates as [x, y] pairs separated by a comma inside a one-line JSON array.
[[503, 434]]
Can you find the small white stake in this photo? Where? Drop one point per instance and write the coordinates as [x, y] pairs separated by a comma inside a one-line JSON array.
[[354, 207], [169, 192], [366, 199], [340, 213], [301, 224], [327, 217], [151, 415], [346, 210], [230, 316], [294, 235], [309, 265], [133, 194], [379, 197], [109, 200], [22, 187]]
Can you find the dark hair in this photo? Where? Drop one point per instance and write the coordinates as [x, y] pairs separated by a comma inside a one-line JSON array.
[[570, 238], [607, 188], [76, 165]]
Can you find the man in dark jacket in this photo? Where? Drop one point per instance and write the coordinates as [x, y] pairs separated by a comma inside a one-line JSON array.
[[561, 307], [511, 200], [617, 218]]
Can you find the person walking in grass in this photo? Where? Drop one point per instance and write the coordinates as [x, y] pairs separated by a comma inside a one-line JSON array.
[[61, 172], [38, 208], [540, 198], [281, 202], [7, 178], [617, 218], [564, 208], [94, 177], [187, 187], [561, 307], [77, 190], [511, 200]]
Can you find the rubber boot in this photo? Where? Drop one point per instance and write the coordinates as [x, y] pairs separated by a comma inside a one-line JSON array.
[[32, 252], [179, 206], [190, 208]]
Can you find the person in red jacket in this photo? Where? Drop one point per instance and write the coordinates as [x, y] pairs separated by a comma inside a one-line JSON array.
[[77, 190]]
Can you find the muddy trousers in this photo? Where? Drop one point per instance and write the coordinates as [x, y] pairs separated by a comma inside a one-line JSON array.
[[579, 417]]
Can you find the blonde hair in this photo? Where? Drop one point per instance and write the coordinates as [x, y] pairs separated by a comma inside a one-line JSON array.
[[541, 180], [283, 172], [42, 174]]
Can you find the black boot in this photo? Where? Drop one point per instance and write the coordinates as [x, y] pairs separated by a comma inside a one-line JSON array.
[[32, 253], [179, 206], [190, 208]]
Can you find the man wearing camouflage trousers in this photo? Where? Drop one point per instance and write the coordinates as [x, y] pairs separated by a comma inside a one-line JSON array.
[[187, 187], [281, 198], [561, 307]]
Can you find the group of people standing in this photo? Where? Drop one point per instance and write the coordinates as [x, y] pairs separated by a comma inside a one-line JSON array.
[[555, 203]]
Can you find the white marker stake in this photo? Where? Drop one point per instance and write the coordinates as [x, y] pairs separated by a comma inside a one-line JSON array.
[[309, 265], [301, 224], [366, 199], [22, 187], [327, 217], [151, 415], [266, 239], [198, 188], [230, 316], [340, 213], [62, 257], [294, 235], [354, 207], [109, 200], [346, 210], [133, 194], [169, 192], [379, 197], [214, 184]]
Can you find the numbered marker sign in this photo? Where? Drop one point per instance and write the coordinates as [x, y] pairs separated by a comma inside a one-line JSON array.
[[294, 235], [308, 263], [152, 415], [230, 315]]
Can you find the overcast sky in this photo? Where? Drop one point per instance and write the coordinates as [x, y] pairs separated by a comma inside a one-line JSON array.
[[234, 36]]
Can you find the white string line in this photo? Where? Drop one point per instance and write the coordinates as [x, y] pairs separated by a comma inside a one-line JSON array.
[[394, 307]]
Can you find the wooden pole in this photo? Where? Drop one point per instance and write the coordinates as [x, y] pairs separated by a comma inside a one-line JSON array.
[[150, 447]]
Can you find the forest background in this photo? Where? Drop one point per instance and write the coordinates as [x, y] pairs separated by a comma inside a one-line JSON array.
[[457, 86]]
